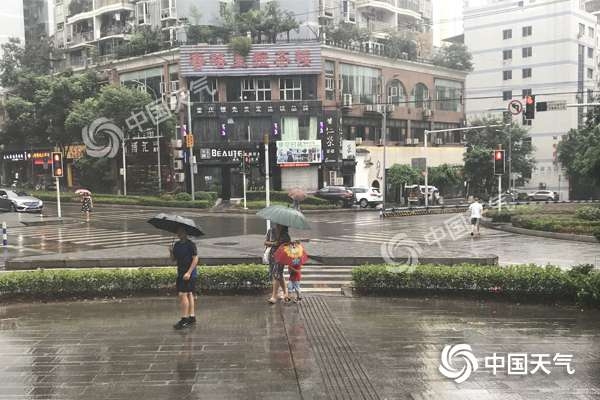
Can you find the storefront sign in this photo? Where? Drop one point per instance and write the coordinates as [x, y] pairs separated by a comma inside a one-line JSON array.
[[258, 108], [263, 60], [75, 152], [230, 153], [299, 152], [348, 149], [331, 139], [16, 156]]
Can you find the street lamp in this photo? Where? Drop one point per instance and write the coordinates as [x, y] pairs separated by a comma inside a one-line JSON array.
[[157, 134]]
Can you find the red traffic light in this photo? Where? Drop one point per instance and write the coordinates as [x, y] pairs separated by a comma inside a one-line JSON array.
[[498, 155], [529, 100]]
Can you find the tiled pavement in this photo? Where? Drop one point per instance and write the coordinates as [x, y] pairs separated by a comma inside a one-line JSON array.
[[325, 348]]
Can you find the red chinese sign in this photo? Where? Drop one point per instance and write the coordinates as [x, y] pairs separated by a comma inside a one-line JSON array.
[[201, 61]]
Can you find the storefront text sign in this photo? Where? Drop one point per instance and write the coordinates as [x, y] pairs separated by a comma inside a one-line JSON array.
[[264, 59], [296, 152]]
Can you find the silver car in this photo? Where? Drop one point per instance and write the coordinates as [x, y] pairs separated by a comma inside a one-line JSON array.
[[11, 200]]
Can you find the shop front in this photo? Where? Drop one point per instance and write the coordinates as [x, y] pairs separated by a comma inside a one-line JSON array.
[[30, 167]]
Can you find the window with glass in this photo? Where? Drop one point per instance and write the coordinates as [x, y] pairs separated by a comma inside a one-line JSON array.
[[526, 72], [360, 82], [60, 26], [397, 93], [590, 73], [448, 95], [507, 55], [590, 32], [590, 52], [526, 92], [507, 95], [248, 90], [329, 80], [290, 89], [507, 34], [527, 52], [420, 95], [581, 29], [506, 75], [256, 89], [527, 31]]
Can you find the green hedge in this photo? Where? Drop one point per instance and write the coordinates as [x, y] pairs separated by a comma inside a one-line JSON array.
[[588, 213], [516, 282], [164, 200], [257, 205], [556, 223], [94, 283], [282, 196]]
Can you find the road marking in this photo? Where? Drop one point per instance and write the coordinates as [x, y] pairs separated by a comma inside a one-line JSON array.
[[124, 236]]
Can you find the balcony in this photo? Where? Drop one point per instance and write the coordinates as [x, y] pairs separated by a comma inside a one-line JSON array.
[[405, 7], [168, 13], [114, 30], [378, 26], [79, 38]]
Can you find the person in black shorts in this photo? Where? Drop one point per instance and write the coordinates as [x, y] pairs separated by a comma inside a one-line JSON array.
[[184, 251]]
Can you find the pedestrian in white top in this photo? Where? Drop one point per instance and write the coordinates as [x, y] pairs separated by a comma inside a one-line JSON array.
[[476, 210]]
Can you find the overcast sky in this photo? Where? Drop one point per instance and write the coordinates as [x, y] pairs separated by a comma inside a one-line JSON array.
[[447, 17]]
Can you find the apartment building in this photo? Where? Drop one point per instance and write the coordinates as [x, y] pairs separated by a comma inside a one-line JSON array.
[[518, 50]]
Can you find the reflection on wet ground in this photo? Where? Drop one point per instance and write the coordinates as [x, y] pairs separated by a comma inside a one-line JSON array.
[[243, 349]]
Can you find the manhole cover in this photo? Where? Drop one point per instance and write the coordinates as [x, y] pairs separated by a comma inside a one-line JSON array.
[[225, 243]]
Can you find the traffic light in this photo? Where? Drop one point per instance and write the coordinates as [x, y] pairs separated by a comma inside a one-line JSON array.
[[189, 141], [529, 107], [499, 164], [57, 165]]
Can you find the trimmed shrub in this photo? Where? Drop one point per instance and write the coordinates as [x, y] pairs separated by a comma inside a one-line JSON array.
[[93, 283], [515, 282], [183, 196], [209, 196], [502, 216], [588, 213], [167, 197]]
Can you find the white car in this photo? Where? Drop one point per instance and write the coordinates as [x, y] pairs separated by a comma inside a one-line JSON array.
[[19, 201], [546, 195], [367, 196]]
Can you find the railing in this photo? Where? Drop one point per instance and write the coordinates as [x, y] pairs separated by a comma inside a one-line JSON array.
[[412, 5], [378, 26], [81, 37], [104, 3], [367, 2], [115, 30]]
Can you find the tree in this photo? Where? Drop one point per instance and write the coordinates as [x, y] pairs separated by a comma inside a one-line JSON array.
[[455, 56], [144, 40], [400, 45], [18, 60], [478, 158], [95, 174], [579, 154], [401, 175], [447, 178], [345, 34]]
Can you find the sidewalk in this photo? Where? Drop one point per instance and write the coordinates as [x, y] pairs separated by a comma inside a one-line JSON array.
[[323, 348], [236, 250]]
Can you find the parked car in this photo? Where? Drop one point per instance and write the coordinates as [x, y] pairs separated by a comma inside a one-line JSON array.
[[543, 195], [367, 196], [11, 200], [336, 194]]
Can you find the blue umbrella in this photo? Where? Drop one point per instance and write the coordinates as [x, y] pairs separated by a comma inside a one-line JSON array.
[[284, 216]]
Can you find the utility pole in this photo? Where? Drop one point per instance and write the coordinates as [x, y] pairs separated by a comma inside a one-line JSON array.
[[191, 155], [267, 179]]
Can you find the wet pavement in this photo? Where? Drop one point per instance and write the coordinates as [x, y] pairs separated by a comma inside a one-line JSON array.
[[325, 348], [121, 227]]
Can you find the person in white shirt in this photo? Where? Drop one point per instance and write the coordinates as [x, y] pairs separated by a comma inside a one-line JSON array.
[[476, 210]]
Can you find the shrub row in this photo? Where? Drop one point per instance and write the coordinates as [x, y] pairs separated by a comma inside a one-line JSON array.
[[129, 200], [531, 282], [282, 196], [95, 283], [258, 204], [588, 213], [562, 224]]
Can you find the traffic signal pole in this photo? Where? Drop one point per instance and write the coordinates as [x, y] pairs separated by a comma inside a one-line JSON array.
[[191, 154], [58, 198]]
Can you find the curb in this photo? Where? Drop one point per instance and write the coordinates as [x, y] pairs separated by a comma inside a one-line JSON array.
[[507, 227], [26, 264]]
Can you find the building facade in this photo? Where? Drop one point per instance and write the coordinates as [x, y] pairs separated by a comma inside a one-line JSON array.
[[517, 51]]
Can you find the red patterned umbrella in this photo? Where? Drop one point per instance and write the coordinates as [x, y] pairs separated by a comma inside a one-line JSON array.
[[291, 254]]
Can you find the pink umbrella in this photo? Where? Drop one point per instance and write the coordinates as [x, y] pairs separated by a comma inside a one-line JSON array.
[[83, 192], [297, 194]]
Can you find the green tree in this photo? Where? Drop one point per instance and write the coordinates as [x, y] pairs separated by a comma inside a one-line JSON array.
[[399, 176], [345, 34], [400, 45], [144, 40], [455, 56], [95, 174], [478, 159], [19, 60], [579, 154], [447, 178]]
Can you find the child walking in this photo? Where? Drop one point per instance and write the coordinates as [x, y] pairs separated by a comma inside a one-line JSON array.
[[294, 283]]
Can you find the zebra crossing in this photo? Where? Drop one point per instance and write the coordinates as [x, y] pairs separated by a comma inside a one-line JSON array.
[[85, 236]]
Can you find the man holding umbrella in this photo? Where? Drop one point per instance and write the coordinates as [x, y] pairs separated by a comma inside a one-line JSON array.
[[185, 253]]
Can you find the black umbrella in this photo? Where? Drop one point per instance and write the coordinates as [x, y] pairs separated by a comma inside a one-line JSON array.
[[172, 223]]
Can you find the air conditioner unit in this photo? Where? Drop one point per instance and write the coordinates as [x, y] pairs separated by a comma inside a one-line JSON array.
[[347, 100], [427, 113], [179, 177], [178, 154], [415, 140], [176, 143], [439, 141], [358, 140], [178, 165], [409, 141], [173, 102]]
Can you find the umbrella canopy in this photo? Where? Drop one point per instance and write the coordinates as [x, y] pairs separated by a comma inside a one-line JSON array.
[[284, 216], [297, 194], [172, 223], [291, 254], [83, 191]]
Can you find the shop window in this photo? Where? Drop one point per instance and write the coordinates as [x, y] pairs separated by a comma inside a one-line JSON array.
[[329, 80], [290, 89]]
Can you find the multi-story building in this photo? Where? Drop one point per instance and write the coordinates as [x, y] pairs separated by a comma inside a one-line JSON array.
[[11, 21], [517, 51], [37, 20]]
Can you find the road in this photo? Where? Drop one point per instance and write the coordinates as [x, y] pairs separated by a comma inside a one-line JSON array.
[[119, 227]]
